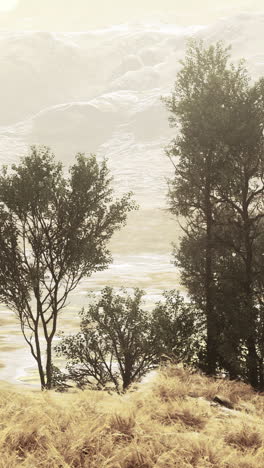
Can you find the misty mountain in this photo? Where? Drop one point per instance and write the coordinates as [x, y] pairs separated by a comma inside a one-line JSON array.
[[99, 91]]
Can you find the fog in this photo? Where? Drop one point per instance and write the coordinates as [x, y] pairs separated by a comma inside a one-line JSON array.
[[78, 15], [95, 86]]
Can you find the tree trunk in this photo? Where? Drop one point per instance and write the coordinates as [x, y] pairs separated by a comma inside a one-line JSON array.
[[126, 377], [41, 373], [232, 366], [39, 360], [209, 303], [252, 357], [252, 362], [261, 376], [49, 366], [126, 382], [43, 381]]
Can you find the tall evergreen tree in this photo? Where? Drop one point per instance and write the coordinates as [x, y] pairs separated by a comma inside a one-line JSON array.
[[201, 106], [240, 192]]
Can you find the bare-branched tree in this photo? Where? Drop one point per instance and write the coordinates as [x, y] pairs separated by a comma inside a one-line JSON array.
[[54, 231]]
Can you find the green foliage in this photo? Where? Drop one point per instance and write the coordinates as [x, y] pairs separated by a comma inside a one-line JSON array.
[[120, 341], [202, 106], [54, 230], [218, 187], [178, 327], [59, 380], [115, 344], [202, 109]]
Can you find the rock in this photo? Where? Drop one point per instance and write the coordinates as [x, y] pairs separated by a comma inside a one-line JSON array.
[[220, 400]]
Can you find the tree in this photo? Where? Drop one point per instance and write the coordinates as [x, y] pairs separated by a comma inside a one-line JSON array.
[[115, 345], [240, 192], [54, 231], [202, 107], [178, 327], [120, 341], [219, 186]]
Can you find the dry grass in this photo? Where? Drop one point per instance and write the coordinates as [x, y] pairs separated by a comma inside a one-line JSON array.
[[168, 423]]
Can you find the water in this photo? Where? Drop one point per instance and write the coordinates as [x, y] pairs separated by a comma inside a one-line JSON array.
[[153, 273]]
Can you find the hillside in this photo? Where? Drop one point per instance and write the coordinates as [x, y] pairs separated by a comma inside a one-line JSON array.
[[172, 421]]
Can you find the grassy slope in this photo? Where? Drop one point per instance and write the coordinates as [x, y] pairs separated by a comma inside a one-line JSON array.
[[167, 423]]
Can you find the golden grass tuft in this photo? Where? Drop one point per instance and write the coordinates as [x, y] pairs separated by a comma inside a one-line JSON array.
[[170, 422], [122, 426], [246, 437], [183, 413]]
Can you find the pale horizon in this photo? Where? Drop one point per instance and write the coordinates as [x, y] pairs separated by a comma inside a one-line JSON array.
[[67, 15]]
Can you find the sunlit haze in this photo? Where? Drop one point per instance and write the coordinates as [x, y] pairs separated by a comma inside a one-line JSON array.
[[76, 15], [7, 5], [88, 76]]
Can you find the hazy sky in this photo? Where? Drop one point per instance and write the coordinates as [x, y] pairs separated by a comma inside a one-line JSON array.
[[85, 14]]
